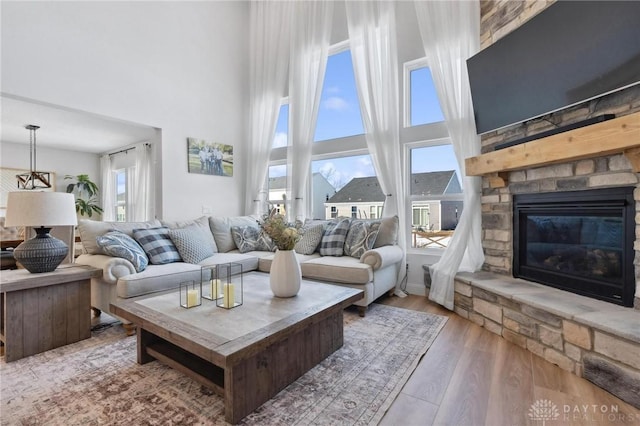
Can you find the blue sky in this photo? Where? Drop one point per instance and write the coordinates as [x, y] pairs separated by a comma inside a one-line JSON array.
[[339, 116]]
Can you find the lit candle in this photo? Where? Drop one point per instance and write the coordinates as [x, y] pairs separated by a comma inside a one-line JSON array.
[[192, 298], [229, 295]]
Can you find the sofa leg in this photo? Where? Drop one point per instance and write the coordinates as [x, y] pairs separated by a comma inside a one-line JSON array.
[[130, 329], [96, 312], [362, 310]]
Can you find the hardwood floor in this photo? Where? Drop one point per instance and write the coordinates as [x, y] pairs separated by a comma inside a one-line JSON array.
[[470, 376]]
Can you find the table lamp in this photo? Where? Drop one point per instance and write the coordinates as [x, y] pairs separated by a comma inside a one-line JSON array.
[[41, 210]]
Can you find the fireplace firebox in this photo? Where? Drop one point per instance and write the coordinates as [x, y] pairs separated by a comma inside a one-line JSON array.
[[579, 241]]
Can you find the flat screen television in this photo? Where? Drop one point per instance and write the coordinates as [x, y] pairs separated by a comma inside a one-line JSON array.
[[569, 53]]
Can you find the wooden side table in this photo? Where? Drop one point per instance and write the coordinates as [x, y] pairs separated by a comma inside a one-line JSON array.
[[39, 312]]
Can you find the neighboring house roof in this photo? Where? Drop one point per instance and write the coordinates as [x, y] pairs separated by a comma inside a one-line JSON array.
[[280, 182], [367, 189]]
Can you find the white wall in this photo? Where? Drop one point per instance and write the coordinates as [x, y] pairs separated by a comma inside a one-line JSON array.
[[179, 66], [58, 161]]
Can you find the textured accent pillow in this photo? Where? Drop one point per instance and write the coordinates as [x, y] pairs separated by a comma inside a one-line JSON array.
[[157, 243], [221, 230], [250, 238], [202, 222], [361, 237], [332, 242], [311, 237], [191, 243], [118, 244]]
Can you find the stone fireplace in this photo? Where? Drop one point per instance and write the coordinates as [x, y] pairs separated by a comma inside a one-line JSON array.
[[595, 339]]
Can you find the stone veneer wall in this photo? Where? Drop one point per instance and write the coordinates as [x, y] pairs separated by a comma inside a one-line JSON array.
[[498, 18]]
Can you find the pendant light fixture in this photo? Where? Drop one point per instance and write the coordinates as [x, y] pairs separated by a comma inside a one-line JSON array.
[[34, 179]]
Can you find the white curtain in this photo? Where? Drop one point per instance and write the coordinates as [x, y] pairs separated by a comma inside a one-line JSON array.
[[107, 189], [450, 33], [372, 37], [269, 48], [142, 188], [310, 32]]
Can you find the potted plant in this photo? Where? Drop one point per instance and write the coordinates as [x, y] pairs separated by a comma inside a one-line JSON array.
[[84, 187]]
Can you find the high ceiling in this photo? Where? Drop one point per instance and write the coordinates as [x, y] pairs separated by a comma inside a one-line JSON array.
[[67, 129]]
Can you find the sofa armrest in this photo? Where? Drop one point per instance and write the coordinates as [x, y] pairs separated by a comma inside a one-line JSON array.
[[382, 256], [112, 267]]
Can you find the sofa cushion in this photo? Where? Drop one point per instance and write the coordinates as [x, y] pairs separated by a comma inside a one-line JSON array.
[[202, 223], [311, 237], [157, 278], [157, 245], [343, 269], [89, 230], [251, 238], [388, 232], [191, 243], [332, 242], [264, 263], [248, 261], [221, 230], [361, 236], [119, 244]]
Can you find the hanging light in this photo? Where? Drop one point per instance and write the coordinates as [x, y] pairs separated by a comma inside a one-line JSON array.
[[33, 179]]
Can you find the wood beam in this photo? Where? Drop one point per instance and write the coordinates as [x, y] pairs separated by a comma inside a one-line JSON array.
[[615, 136]]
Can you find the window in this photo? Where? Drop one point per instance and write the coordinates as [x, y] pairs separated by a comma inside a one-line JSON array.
[[339, 113], [122, 194], [435, 195], [421, 105], [375, 212], [352, 184], [277, 187], [280, 138]]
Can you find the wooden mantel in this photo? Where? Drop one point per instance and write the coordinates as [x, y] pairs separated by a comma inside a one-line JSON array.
[[620, 135]]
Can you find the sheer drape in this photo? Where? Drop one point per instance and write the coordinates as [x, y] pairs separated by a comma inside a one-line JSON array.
[[142, 187], [107, 189], [311, 28], [372, 37], [269, 48], [450, 33]]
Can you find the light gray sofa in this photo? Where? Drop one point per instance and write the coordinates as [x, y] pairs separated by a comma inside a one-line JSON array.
[[375, 271]]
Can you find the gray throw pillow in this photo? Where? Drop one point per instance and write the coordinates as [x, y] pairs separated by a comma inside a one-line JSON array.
[[311, 237], [335, 233], [250, 238], [361, 237], [157, 244], [118, 244], [388, 232], [191, 243], [202, 223]]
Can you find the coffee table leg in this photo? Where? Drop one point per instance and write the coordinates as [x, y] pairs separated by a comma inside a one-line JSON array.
[[144, 338]]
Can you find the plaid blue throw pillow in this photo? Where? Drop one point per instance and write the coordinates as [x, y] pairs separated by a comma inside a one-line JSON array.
[[332, 242], [157, 244]]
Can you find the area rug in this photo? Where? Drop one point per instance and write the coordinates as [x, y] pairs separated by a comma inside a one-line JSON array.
[[98, 382]]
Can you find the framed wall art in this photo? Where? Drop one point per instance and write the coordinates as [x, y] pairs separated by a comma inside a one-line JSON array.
[[209, 158]]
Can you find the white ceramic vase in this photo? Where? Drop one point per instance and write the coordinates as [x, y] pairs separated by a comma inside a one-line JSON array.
[[285, 275]]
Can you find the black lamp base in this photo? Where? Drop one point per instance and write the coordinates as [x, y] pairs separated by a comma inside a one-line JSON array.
[[43, 253]]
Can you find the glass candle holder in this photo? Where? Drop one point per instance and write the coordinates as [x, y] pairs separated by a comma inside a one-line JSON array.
[[190, 293], [210, 282], [229, 285]]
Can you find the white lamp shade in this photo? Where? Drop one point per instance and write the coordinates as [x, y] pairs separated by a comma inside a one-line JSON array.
[[39, 208]]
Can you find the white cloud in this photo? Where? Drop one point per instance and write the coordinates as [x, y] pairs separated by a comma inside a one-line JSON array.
[[280, 140], [335, 103], [333, 89]]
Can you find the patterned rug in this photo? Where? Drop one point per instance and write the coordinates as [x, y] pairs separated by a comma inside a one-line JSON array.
[[98, 382]]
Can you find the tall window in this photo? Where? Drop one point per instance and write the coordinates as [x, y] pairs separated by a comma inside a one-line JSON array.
[[281, 136], [421, 105], [435, 195], [339, 113], [122, 194]]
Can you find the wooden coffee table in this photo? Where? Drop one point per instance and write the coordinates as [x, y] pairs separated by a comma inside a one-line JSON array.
[[246, 354]]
